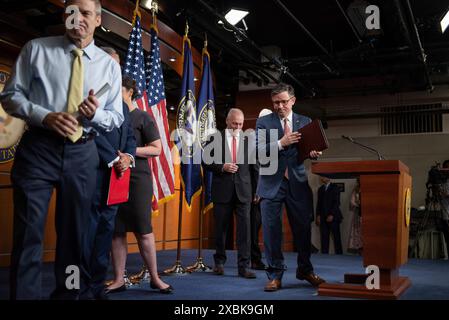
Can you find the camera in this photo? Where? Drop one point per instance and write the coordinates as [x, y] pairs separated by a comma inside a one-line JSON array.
[[437, 175]]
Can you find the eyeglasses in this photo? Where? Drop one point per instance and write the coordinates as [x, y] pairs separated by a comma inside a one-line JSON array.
[[283, 102]]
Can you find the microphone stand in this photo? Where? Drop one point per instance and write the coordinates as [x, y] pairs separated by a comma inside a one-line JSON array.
[[372, 150]]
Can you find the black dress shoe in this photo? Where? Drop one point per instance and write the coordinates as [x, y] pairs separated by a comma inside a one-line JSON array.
[[219, 270], [247, 274], [167, 290], [115, 290], [102, 295], [258, 265]]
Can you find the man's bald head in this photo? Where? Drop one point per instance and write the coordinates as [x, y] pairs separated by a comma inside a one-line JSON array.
[[235, 119]]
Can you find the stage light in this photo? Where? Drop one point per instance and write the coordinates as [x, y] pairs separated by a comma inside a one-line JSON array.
[[234, 16], [445, 22]]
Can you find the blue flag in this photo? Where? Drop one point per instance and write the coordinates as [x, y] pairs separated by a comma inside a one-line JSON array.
[[186, 125], [206, 121]]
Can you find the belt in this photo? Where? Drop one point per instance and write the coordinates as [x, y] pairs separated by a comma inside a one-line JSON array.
[[86, 137]]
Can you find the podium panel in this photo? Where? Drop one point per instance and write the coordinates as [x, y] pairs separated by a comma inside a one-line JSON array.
[[385, 191]]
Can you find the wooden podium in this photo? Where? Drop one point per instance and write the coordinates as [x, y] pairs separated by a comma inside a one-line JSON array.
[[385, 205]]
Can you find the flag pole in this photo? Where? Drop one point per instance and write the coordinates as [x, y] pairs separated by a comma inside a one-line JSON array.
[[199, 265], [178, 269]]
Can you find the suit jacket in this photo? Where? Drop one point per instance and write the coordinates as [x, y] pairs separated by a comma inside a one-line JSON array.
[[269, 185], [121, 138], [328, 203], [224, 183]]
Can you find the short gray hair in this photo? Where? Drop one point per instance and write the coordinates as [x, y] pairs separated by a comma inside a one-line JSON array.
[[97, 5], [282, 87], [234, 110]]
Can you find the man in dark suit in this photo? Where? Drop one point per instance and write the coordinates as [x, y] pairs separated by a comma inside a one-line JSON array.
[[256, 218], [283, 179], [328, 215], [231, 190], [116, 150]]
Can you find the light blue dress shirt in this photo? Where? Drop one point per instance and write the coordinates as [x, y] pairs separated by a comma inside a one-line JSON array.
[[39, 83]]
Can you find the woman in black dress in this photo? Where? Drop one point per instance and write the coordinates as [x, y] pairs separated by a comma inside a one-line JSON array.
[[135, 215]]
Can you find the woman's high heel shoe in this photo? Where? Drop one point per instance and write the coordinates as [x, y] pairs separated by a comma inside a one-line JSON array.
[[167, 290]]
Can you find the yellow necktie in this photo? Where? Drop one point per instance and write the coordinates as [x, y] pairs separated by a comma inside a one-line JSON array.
[[76, 90]]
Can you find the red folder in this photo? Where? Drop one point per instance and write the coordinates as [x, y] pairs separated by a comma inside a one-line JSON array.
[[312, 138], [118, 187]]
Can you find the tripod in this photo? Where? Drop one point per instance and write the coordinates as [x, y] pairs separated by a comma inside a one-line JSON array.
[[431, 215]]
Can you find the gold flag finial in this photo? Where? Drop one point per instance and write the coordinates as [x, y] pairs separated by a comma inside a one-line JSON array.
[[187, 29], [136, 11], [205, 39], [154, 7]]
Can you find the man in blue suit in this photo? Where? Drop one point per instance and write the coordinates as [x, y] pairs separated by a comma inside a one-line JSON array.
[[328, 215], [116, 150], [277, 137]]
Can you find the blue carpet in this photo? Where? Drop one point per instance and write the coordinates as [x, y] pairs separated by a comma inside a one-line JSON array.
[[430, 279]]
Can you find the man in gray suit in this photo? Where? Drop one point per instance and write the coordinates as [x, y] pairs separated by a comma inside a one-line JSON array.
[[287, 185]]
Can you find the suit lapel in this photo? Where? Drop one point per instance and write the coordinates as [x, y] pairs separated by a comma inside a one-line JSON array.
[[296, 122], [276, 125], [227, 152]]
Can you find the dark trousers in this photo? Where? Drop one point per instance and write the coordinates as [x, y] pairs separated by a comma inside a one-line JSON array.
[[45, 161], [256, 223], [223, 213], [298, 203], [102, 223], [326, 228]]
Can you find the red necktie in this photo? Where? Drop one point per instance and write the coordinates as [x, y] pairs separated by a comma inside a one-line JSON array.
[[287, 130], [234, 149]]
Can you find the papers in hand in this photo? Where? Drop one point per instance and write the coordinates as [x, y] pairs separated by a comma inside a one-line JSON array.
[[118, 187]]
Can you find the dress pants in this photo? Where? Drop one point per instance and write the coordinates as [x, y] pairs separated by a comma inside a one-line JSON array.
[[326, 228], [299, 207], [223, 214], [102, 225], [45, 161], [256, 223]]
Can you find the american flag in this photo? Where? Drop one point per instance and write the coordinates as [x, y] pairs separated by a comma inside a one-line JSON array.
[[135, 64], [162, 166], [151, 98]]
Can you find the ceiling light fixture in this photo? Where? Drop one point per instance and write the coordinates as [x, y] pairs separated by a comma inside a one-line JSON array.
[[234, 16], [444, 22], [146, 4]]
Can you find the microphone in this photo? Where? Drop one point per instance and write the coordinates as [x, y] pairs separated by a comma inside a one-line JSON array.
[[372, 150]]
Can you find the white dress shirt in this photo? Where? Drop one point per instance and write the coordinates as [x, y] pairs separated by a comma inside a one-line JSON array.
[[39, 83], [229, 136], [290, 124]]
